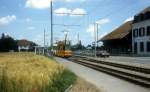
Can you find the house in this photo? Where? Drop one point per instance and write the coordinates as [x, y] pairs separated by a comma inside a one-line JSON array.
[[119, 41], [141, 33], [25, 45]]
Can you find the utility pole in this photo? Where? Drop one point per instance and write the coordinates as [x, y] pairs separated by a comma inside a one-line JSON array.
[[78, 39], [95, 37], [97, 33], [51, 9], [44, 38], [44, 43]]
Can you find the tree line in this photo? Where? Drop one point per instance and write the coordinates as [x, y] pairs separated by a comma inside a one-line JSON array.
[[7, 43]]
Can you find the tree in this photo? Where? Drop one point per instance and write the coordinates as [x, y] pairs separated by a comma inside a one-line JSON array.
[[7, 43], [78, 46]]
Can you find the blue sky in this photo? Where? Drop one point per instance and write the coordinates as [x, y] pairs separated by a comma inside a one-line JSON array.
[[26, 19]]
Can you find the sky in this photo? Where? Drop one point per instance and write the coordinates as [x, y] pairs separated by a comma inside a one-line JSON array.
[[27, 19]]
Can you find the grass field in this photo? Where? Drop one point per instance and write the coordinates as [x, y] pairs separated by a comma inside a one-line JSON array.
[[26, 72]]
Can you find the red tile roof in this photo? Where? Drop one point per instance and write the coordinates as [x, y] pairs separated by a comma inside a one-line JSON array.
[[24, 42]]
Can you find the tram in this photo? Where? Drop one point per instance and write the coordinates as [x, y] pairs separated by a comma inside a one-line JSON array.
[[62, 50]]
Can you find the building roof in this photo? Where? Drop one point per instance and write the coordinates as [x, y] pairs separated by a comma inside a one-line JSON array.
[[24, 42], [120, 32], [144, 11]]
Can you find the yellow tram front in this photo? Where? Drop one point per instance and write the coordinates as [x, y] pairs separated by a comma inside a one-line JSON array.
[[62, 50]]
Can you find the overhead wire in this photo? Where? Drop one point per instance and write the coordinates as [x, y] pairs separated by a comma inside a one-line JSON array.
[[114, 12], [91, 11]]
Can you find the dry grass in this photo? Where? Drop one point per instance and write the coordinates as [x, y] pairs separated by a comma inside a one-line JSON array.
[[26, 72], [83, 86]]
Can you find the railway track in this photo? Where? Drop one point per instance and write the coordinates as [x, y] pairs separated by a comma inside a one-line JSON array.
[[134, 74]]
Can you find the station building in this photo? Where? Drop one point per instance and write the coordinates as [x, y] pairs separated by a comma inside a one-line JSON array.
[[133, 37], [119, 41], [141, 33]]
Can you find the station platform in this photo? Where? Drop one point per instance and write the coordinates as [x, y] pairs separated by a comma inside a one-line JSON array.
[[143, 62], [105, 82]]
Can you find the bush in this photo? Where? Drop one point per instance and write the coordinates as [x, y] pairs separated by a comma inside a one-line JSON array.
[[62, 82]]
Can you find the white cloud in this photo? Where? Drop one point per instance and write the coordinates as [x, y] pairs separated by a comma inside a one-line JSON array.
[[7, 20], [62, 11], [74, 0], [39, 4], [38, 39], [129, 19], [77, 11], [28, 20], [70, 12], [90, 30], [43, 4], [103, 21], [31, 28]]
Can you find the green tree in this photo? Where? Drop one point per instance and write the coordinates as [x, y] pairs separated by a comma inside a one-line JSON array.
[[7, 43]]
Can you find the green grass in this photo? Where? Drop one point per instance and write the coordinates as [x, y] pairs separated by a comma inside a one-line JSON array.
[[63, 81], [26, 72]]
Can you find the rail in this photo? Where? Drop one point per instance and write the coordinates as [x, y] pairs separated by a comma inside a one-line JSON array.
[[134, 74]]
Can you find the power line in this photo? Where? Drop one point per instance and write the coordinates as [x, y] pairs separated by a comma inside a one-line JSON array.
[[66, 25], [91, 11], [70, 13], [115, 12], [109, 14]]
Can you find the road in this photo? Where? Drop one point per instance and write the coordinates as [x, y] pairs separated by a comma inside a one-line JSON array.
[[104, 82]]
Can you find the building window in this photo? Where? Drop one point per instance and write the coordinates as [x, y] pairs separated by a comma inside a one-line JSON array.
[[147, 15], [135, 48], [148, 30], [142, 46], [135, 33], [142, 31], [148, 46]]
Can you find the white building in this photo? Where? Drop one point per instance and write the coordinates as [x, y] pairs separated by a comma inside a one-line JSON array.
[[25, 45], [141, 33]]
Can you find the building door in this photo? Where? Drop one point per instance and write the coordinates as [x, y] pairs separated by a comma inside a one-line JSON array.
[[135, 48]]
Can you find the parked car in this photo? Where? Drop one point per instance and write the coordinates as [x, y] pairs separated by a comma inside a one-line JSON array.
[[102, 53]]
